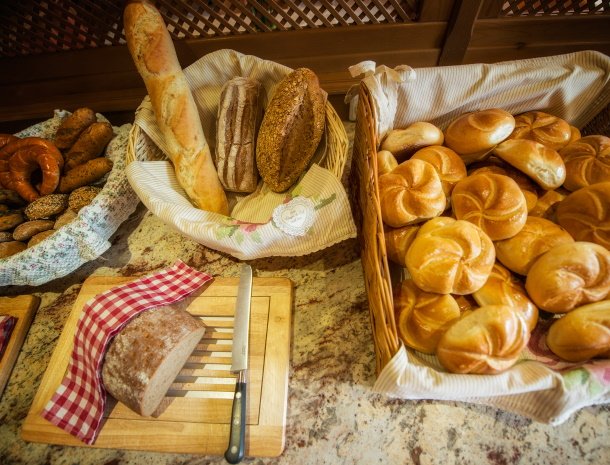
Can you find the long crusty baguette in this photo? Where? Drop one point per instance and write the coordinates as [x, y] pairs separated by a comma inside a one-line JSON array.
[[153, 53]]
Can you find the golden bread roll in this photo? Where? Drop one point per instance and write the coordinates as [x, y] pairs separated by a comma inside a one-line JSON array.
[[526, 185], [454, 258], [422, 317], [479, 131], [587, 161], [574, 134], [546, 204], [435, 223], [466, 303], [549, 130], [486, 341], [152, 50], [411, 193], [582, 334], [448, 164], [568, 276], [538, 236], [540, 163], [503, 288], [398, 241], [493, 202], [404, 142], [386, 162], [585, 214]]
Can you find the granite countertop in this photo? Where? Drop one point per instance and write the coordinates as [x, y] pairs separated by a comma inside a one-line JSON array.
[[333, 415]]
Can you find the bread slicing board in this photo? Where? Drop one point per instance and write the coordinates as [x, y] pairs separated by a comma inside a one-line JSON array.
[[22, 307], [196, 411]]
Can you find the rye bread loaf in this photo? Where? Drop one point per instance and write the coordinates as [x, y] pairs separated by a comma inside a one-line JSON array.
[[239, 114], [291, 129], [145, 357]]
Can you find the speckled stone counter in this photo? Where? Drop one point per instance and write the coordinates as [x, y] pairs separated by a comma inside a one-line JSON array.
[[333, 415]]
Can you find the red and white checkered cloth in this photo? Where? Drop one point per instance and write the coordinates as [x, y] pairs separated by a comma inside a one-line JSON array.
[[7, 323], [78, 404]]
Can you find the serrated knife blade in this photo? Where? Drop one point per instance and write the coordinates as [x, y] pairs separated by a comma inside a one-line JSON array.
[[239, 364]]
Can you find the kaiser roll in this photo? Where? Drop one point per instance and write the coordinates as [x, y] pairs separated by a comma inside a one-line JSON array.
[[493, 202], [549, 130], [478, 131], [547, 203], [582, 334], [587, 161], [585, 214], [454, 258], [422, 317], [486, 341], [568, 276], [412, 192], [386, 162], [398, 241], [540, 163], [447, 163], [503, 288], [538, 236], [404, 142]]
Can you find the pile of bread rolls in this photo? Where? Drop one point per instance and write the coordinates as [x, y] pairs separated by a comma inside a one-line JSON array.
[[276, 144], [498, 220], [46, 182]]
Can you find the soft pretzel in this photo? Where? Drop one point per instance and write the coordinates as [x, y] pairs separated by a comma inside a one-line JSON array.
[[26, 156]]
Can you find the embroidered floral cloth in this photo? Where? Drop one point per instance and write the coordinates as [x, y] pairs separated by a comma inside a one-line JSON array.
[[87, 236], [78, 404]]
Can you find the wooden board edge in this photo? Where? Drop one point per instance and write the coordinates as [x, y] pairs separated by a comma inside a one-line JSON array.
[[24, 316]]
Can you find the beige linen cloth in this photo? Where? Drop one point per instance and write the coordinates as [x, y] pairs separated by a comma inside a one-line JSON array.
[[575, 87], [312, 215]]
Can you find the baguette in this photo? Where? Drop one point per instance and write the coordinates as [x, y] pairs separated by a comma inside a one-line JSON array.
[[153, 53]]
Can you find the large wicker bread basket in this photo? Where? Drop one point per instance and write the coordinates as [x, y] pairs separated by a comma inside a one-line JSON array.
[[534, 389]]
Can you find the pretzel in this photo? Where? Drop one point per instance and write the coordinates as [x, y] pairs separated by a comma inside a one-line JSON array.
[[26, 156]]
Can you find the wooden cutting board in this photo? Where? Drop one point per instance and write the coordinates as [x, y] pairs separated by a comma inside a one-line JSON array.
[[22, 307], [197, 408]]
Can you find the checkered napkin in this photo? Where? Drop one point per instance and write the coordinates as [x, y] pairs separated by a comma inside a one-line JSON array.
[[7, 323], [78, 404]]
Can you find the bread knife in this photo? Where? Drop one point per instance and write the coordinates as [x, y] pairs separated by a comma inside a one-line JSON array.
[[239, 359]]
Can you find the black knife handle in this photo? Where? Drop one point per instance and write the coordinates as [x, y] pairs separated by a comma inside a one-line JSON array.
[[237, 438]]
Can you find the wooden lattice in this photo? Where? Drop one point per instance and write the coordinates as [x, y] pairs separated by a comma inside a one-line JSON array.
[[29, 27], [555, 7]]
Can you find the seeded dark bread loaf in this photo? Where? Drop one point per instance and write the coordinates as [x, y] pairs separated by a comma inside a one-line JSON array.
[[176, 113], [291, 129], [145, 357], [239, 114]]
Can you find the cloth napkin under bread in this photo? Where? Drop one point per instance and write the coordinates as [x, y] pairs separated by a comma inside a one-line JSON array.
[[78, 403], [7, 323]]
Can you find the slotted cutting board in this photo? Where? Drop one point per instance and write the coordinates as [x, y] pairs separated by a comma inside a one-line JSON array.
[[196, 411]]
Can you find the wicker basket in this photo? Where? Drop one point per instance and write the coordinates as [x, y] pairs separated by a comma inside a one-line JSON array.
[[141, 147], [257, 226], [381, 274]]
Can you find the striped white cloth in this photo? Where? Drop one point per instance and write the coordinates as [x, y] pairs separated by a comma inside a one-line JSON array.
[[250, 231], [575, 87]]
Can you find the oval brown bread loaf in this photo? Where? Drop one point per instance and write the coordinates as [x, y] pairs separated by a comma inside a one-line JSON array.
[[153, 53], [239, 114], [144, 358], [11, 248], [85, 174], [72, 127], [90, 144], [291, 129]]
